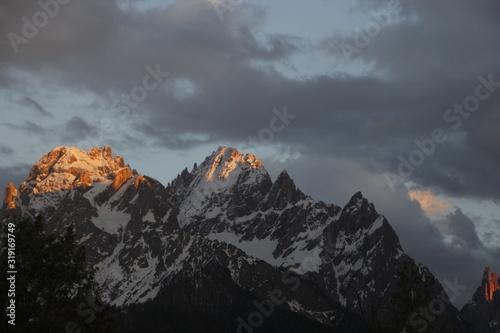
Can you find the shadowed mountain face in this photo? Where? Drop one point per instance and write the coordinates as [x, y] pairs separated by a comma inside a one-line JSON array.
[[225, 244]]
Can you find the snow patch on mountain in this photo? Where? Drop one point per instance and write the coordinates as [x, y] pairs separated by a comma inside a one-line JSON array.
[[259, 248], [377, 224], [110, 220], [96, 189]]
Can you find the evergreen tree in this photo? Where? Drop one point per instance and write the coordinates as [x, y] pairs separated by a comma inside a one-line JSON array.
[[53, 286]]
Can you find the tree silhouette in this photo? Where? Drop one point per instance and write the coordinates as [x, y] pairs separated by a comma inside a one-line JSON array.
[[53, 286], [414, 291]]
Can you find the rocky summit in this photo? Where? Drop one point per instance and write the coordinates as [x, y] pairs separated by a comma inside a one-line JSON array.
[[483, 311], [225, 248]]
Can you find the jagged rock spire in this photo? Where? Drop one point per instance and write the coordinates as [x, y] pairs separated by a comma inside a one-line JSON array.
[[10, 197], [489, 284], [284, 192]]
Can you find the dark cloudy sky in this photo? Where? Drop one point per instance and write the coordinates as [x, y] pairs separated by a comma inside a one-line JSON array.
[[398, 99]]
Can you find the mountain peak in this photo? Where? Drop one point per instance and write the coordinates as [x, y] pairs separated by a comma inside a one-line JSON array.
[[222, 172], [226, 159], [357, 196], [284, 191], [63, 166], [356, 201], [483, 309]]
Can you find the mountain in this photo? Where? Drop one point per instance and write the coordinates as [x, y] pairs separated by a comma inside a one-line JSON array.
[[483, 311], [227, 245]]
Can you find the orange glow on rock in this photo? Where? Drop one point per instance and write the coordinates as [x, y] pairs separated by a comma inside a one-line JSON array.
[[490, 284]]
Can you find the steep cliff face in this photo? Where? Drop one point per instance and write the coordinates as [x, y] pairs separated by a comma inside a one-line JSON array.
[[225, 220], [489, 284], [483, 311], [10, 197]]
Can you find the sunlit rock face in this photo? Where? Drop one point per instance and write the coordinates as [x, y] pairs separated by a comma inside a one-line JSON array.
[[482, 312], [120, 178], [490, 284], [225, 160], [64, 168], [10, 197]]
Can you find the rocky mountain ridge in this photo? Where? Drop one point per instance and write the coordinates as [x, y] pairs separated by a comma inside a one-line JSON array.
[[226, 221]]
